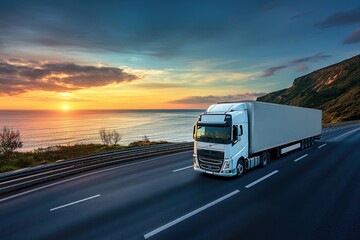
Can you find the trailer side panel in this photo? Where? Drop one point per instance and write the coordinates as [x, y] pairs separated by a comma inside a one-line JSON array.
[[273, 125]]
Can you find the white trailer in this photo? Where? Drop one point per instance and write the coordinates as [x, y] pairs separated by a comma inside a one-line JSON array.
[[232, 137]]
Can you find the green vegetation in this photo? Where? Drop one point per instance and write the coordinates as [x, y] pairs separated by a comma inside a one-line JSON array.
[[52, 154], [334, 89], [11, 160]]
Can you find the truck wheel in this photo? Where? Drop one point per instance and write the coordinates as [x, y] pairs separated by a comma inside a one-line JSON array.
[[240, 168], [312, 141], [265, 159]]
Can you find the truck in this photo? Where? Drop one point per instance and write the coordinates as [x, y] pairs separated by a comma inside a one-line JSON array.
[[231, 138]]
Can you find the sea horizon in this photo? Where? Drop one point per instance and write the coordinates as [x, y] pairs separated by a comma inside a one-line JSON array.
[[45, 128]]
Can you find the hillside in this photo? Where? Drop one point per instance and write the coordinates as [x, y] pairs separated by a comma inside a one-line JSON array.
[[334, 89]]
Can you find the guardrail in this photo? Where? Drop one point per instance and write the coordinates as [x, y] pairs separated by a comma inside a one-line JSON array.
[[29, 177]]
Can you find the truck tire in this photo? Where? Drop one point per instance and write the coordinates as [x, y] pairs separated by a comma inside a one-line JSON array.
[[302, 144], [240, 168], [265, 159]]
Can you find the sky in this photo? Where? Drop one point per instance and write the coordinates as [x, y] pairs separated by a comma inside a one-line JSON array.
[[75, 55]]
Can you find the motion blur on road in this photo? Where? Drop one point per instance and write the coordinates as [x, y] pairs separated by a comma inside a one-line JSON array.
[[309, 194]]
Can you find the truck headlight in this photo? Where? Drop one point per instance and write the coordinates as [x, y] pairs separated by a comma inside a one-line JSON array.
[[227, 165]]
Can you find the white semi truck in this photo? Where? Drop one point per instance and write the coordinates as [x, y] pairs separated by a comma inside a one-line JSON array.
[[233, 137]]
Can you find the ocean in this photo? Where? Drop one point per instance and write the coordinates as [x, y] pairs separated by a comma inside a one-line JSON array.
[[49, 128]]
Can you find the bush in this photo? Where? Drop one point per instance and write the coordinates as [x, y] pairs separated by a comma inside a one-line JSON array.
[[10, 140], [8, 168], [23, 163]]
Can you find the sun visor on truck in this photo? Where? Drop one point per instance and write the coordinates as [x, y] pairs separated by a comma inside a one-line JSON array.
[[215, 118]]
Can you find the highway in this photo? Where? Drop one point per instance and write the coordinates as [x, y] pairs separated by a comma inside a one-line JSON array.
[[308, 194]]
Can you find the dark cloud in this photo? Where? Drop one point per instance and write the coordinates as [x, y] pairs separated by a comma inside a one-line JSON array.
[[299, 62], [341, 18], [271, 71], [214, 99], [160, 28], [314, 58], [354, 37], [20, 76]]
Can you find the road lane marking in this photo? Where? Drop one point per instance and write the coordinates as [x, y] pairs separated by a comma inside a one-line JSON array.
[[72, 203], [322, 145], [180, 219], [86, 175], [346, 133], [298, 159], [261, 179], [180, 169]]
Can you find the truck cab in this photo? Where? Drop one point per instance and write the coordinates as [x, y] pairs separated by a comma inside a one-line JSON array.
[[221, 140]]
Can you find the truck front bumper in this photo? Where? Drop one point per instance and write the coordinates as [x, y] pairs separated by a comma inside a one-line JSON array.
[[221, 173]]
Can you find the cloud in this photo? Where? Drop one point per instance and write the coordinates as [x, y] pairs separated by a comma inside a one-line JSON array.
[[299, 62], [161, 85], [214, 99], [354, 37], [157, 29], [341, 18], [271, 71], [314, 58], [19, 76]]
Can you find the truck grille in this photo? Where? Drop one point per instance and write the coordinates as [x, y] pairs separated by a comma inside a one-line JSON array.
[[210, 160]]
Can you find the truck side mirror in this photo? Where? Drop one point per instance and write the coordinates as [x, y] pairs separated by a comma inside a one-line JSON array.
[[235, 133], [241, 130], [194, 131]]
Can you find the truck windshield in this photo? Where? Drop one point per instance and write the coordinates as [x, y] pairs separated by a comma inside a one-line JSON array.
[[213, 134]]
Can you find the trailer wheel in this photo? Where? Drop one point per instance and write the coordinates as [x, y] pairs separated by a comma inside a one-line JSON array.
[[302, 144], [312, 141], [240, 168], [265, 159]]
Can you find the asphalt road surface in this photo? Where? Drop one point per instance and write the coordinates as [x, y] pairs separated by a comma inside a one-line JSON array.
[[309, 194]]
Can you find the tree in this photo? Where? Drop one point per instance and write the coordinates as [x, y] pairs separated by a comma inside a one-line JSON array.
[[109, 138], [146, 138], [116, 137], [105, 136], [10, 140]]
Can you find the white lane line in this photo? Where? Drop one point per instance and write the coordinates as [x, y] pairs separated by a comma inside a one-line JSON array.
[[72, 203], [346, 133], [322, 145], [85, 175], [180, 169], [261, 179], [298, 159], [180, 219]]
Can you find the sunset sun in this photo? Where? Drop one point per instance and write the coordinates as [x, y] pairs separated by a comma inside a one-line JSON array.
[[65, 107]]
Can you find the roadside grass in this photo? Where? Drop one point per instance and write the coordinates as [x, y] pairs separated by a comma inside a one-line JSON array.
[[53, 154]]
